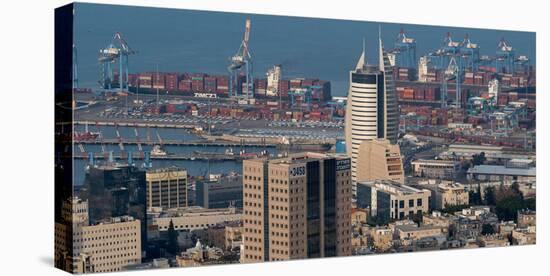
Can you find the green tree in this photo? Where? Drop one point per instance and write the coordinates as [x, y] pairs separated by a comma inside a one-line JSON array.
[[172, 246], [507, 208], [487, 229], [478, 159], [475, 196], [490, 196]]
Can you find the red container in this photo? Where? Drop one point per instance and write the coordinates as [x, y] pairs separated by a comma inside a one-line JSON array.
[[210, 84], [171, 81], [185, 85]]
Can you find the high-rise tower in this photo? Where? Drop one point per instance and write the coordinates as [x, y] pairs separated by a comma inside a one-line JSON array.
[[372, 110]]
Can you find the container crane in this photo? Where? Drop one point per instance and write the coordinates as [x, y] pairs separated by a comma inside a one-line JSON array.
[[242, 60], [505, 56], [405, 50], [453, 72], [469, 54], [441, 57], [116, 52]]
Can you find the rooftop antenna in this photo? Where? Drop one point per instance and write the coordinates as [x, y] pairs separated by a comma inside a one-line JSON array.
[[361, 62], [380, 49]]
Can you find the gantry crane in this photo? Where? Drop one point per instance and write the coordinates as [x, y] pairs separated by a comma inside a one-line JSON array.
[[242, 60], [116, 52], [469, 55], [505, 56], [452, 72], [405, 50]]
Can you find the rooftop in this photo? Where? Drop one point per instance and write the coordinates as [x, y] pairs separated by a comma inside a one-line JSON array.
[[502, 170], [391, 186]]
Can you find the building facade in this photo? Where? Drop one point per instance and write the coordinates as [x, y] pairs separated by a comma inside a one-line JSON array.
[[115, 191], [167, 188], [379, 159], [193, 218], [372, 110], [390, 200], [296, 207], [107, 246], [221, 192], [440, 169], [451, 194]]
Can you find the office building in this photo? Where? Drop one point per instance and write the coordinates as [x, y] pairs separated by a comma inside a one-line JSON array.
[[379, 159], [167, 188], [115, 191], [440, 169], [372, 110], [109, 245], [390, 200], [451, 194], [220, 192], [296, 207]]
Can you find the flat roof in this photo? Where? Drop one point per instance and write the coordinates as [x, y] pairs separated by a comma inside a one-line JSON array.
[[502, 170]]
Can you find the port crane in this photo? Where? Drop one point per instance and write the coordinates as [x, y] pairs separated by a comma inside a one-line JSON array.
[[117, 51], [404, 50], [452, 72], [469, 54], [241, 63], [505, 56]]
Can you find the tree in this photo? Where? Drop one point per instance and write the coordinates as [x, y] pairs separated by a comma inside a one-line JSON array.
[[475, 196], [490, 196], [172, 247], [487, 229], [507, 208], [478, 159]]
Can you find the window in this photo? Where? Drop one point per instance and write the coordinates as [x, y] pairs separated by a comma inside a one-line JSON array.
[[401, 204], [419, 202], [411, 203]]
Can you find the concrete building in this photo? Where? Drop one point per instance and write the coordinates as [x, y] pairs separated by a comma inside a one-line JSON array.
[[296, 207], [381, 238], [505, 174], [524, 236], [527, 218], [107, 246], [379, 159], [493, 240], [451, 194], [220, 192], [440, 169], [371, 110], [389, 200], [415, 232], [167, 188], [116, 190], [492, 153], [193, 218]]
